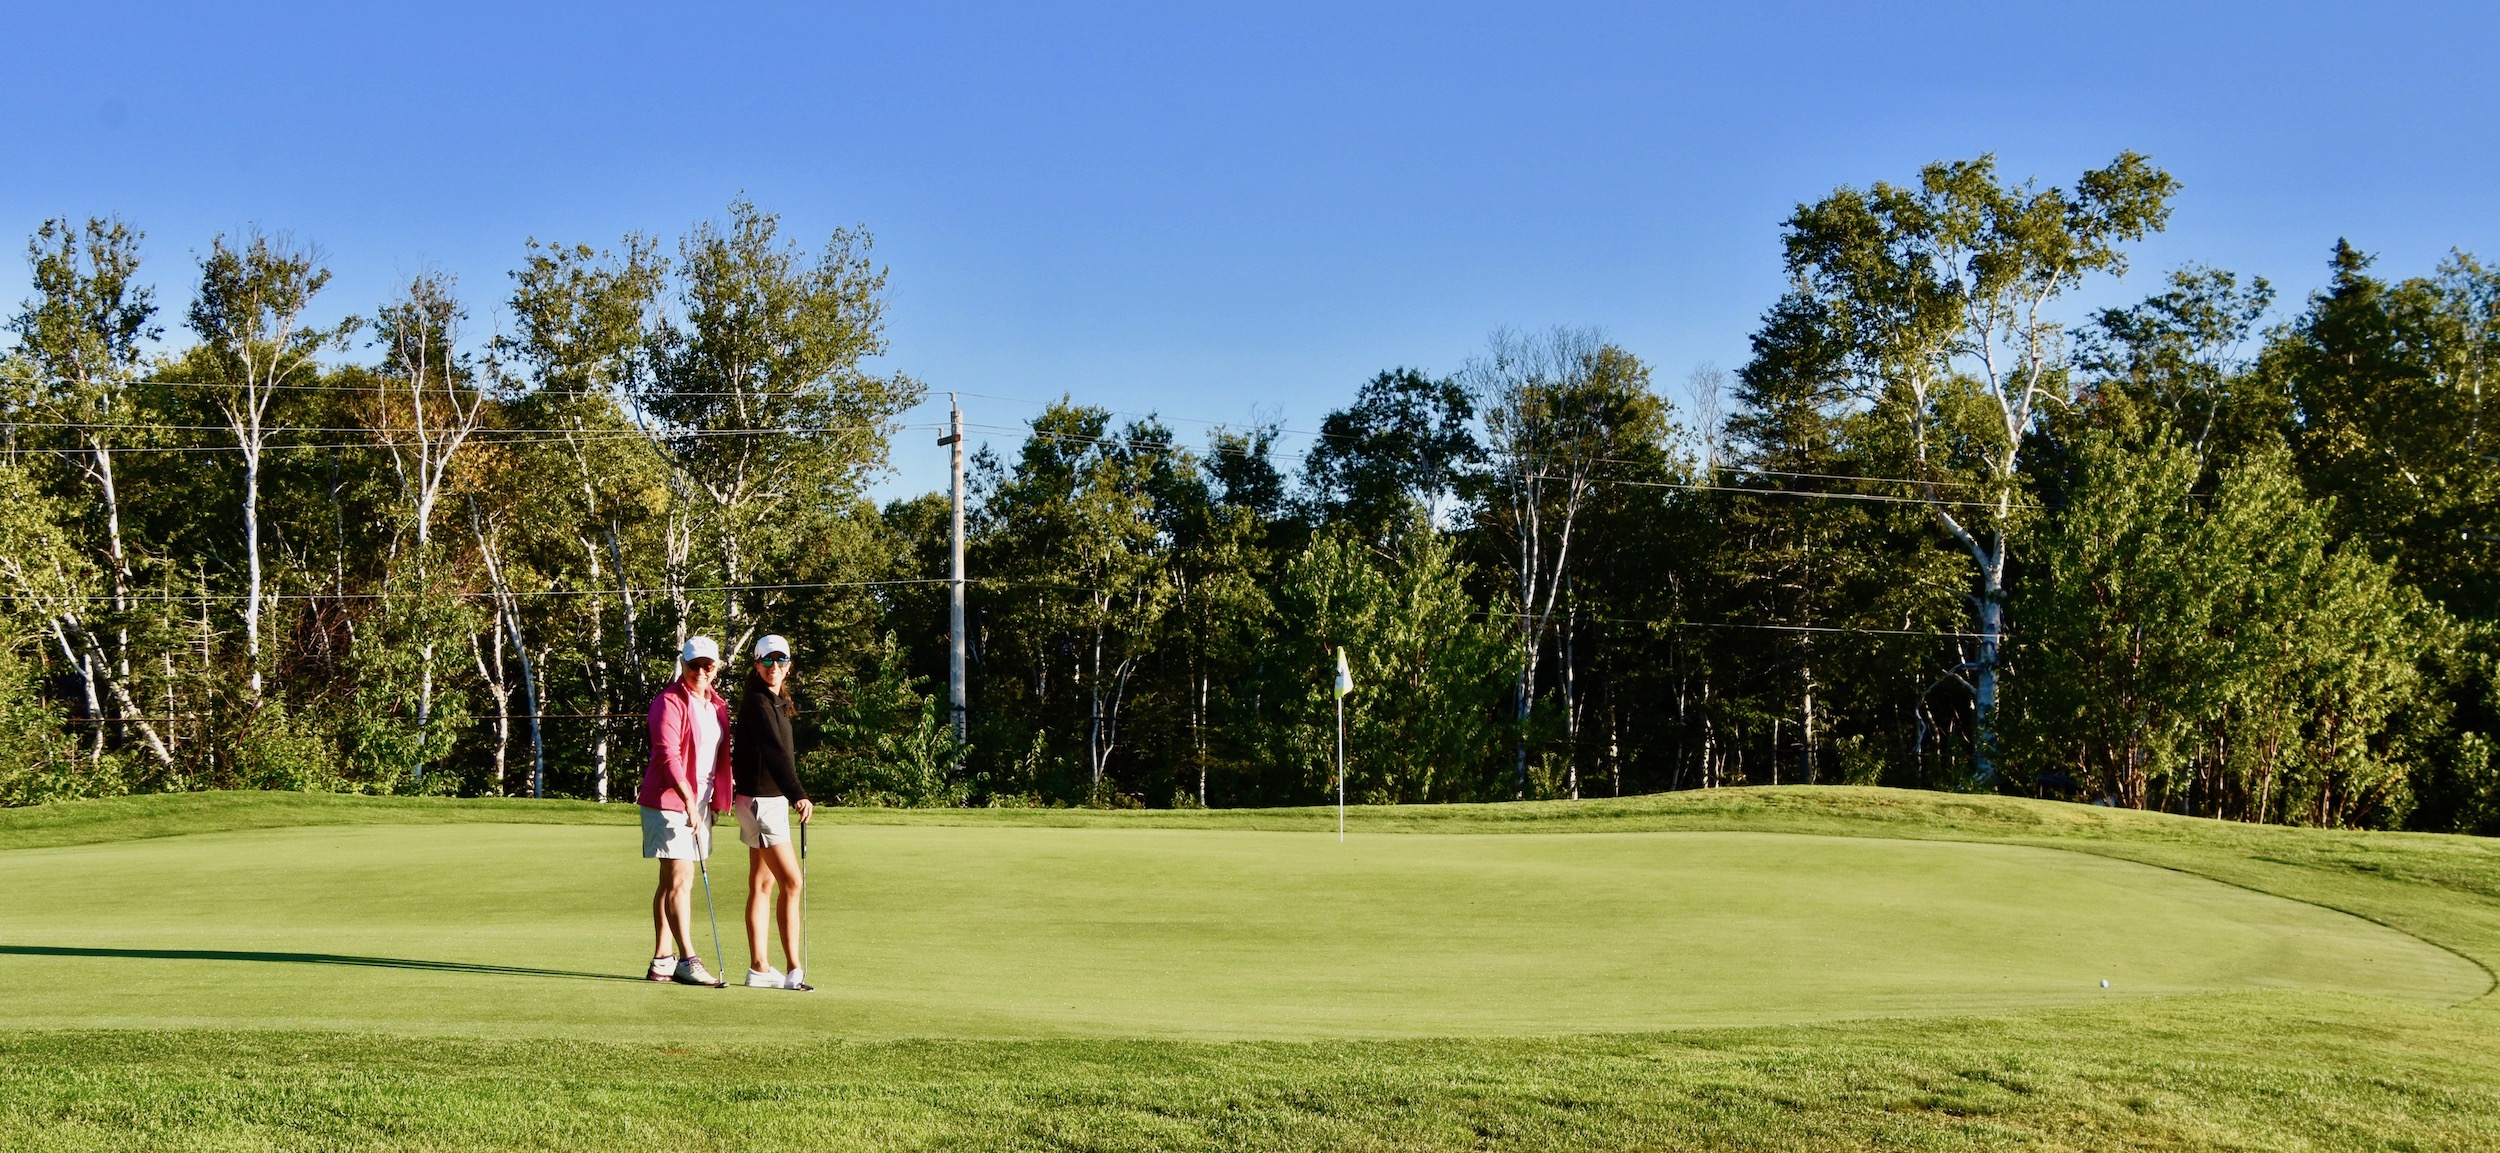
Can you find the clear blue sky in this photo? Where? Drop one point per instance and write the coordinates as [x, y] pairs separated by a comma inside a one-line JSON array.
[[1217, 211]]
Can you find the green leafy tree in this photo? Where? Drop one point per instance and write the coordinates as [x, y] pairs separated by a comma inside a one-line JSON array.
[[2394, 385], [2180, 359], [1221, 611], [1429, 670], [50, 583], [2392, 381], [2221, 656], [886, 741], [1405, 443], [1080, 577], [38, 761], [576, 348]]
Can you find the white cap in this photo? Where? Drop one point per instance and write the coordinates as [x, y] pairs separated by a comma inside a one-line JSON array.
[[771, 643], [699, 648]]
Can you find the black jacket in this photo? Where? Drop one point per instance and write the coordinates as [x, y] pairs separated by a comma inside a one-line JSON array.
[[761, 758]]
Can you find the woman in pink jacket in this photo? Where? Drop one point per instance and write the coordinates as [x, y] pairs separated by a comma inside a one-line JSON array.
[[686, 785]]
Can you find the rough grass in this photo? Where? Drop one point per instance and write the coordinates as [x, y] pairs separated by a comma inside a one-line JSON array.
[[2244, 1072]]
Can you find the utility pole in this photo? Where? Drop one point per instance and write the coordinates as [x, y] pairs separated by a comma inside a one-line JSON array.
[[955, 581]]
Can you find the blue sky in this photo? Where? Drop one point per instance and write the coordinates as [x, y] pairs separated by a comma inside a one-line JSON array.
[[1227, 211]]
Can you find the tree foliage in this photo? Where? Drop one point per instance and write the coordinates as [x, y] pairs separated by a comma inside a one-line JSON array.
[[1954, 532]]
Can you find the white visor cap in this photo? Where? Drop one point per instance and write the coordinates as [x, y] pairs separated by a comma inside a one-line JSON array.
[[771, 643], [699, 649]]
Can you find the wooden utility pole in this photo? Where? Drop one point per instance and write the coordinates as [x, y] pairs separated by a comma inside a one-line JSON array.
[[955, 581]]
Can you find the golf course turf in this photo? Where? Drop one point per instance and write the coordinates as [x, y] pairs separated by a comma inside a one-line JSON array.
[[1763, 968]]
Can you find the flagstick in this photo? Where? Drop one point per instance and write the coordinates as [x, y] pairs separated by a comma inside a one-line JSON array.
[[1340, 768], [1343, 685]]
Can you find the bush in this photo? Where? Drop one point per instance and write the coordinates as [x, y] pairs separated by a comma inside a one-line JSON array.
[[39, 762], [887, 746]]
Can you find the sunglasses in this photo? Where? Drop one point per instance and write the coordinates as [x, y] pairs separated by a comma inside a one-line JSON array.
[[699, 665], [775, 659]]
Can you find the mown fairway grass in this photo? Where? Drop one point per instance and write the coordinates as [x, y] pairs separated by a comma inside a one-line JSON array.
[[1775, 969]]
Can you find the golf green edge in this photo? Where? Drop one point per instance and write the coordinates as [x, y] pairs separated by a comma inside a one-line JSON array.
[[2254, 1070]]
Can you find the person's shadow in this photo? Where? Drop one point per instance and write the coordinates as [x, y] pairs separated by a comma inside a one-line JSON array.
[[304, 959]]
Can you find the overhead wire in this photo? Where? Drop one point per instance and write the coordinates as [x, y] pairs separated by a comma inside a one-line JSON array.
[[612, 591], [504, 437], [1326, 436], [1879, 498]]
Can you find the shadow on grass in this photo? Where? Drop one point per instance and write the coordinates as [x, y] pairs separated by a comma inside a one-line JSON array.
[[305, 959]]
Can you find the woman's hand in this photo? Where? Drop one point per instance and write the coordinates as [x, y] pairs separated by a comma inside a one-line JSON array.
[[806, 809]]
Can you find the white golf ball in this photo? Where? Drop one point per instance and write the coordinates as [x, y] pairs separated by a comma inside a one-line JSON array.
[[2105, 982]]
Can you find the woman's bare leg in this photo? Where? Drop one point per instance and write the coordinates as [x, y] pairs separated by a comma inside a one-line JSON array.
[[662, 943], [759, 886], [673, 910], [784, 864]]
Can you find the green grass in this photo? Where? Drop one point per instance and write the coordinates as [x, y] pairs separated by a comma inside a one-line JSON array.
[[1850, 969]]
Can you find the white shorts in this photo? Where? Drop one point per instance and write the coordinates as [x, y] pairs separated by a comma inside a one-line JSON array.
[[669, 836], [763, 822]]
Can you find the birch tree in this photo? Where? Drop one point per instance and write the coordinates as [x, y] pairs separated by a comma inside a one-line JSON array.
[[1558, 408], [426, 405], [1941, 297], [580, 315], [47, 579], [757, 393], [249, 315], [508, 619], [83, 337]]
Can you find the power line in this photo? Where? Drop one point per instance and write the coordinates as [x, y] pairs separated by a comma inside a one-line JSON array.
[[1117, 442], [398, 388], [485, 439], [477, 431], [1877, 498], [1928, 634], [223, 598], [992, 582], [1324, 436], [538, 436]]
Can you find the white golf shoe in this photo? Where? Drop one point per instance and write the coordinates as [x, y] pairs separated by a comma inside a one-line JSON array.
[[766, 979], [690, 971], [793, 982]]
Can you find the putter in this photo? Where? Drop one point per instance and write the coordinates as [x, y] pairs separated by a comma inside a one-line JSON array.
[[801, 966], [702, 866]]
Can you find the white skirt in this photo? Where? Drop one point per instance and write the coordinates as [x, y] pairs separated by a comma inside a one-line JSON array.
[[669, 836], [763, 822]]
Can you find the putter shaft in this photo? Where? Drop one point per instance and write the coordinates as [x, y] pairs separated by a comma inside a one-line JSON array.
[[703, 867]]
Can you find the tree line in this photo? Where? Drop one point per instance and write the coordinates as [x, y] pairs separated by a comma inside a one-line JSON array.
[[1944, 528]]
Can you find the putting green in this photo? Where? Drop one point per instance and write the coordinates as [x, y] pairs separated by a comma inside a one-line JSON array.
[[1003, 931]]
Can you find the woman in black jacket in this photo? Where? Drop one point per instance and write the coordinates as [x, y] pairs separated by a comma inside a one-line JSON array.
[[765, 769]]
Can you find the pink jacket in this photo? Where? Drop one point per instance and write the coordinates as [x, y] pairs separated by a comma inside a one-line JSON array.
[[672, 752]]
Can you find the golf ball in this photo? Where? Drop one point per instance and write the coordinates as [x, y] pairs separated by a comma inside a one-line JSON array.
[[2105, 982]]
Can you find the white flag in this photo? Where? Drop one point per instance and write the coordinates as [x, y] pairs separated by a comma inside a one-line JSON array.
[[1345, 675]]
